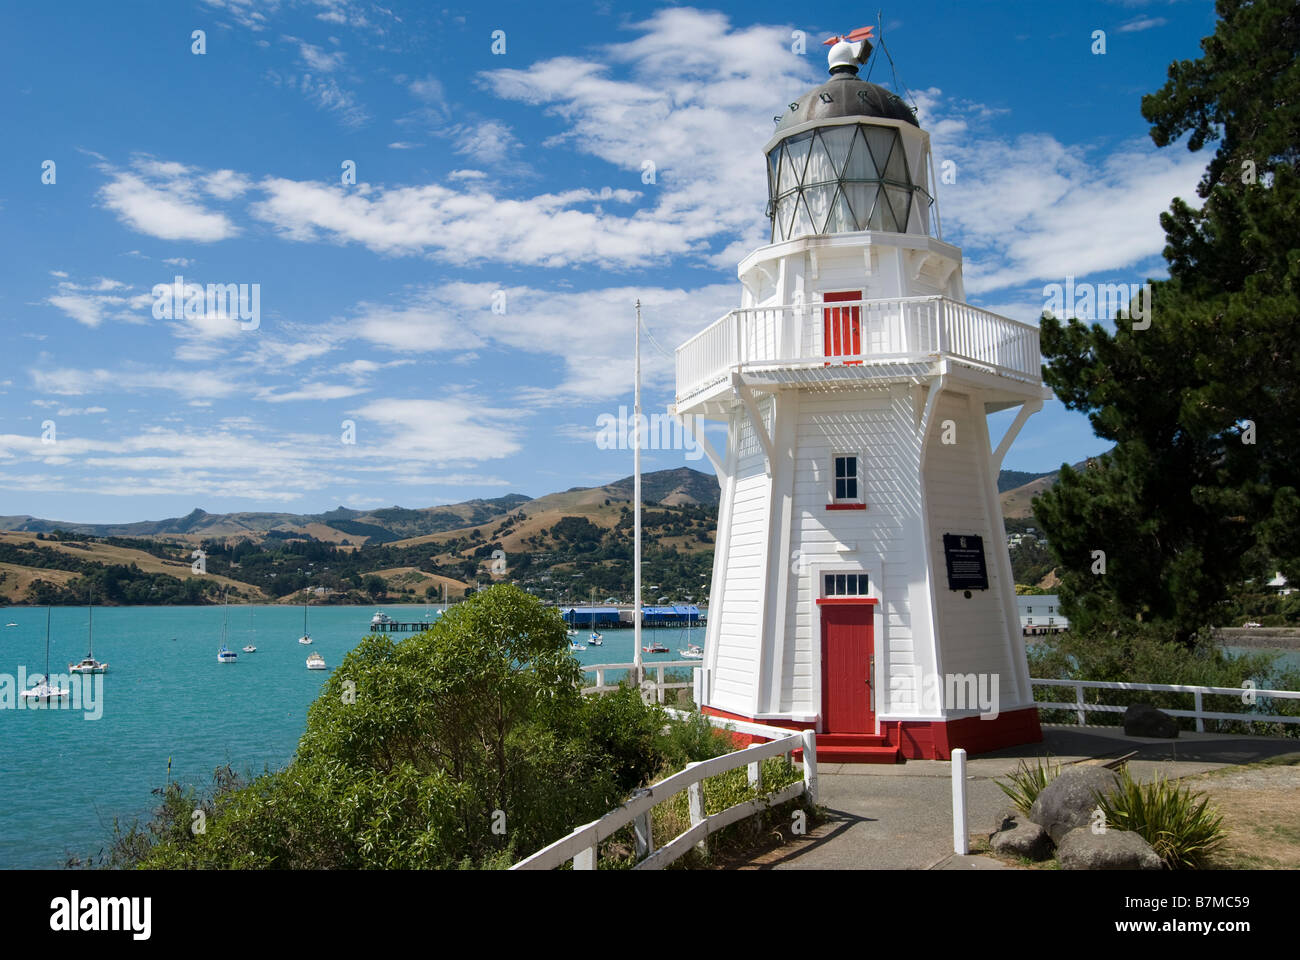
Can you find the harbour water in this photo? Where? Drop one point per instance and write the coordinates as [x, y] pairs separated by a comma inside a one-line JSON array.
[[63, 778]]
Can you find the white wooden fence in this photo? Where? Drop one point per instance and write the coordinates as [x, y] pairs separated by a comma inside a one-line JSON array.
[[582, 846], [661, 684], [1081, 708]]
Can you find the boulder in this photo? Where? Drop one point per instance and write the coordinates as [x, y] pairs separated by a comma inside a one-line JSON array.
[[1069, 800], [1081, 849], [1006, 819], [1144, 720], [1026, 839]]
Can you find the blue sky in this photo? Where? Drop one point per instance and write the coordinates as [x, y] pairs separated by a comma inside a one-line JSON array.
[[478, 173]]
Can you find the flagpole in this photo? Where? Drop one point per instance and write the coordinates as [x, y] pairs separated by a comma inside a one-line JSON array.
[[636, 508]]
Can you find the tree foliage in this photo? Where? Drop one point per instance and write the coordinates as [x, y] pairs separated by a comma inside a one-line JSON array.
[[1199, 491]]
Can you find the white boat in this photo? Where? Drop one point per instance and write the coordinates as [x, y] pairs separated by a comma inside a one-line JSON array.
[[596, 640], [89, 664], [576, 646], [692, 652], [225, 654], [250, 647], [570, 633], [45, 691], [306, 637], [380, 619], [11, 624], [316, 662]]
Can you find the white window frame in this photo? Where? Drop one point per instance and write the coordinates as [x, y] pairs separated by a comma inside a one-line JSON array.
[[857, 477]]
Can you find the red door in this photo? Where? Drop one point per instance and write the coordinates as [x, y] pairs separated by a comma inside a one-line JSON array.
[[842, 327], [846, 663]]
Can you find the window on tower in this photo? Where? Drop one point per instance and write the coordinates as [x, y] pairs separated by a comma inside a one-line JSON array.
[[846, 585], [846, 479]]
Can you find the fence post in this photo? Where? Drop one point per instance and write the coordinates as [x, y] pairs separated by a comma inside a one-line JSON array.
[[1200, 720], [695, 795], [960, 831], [585, 859], [659, 687], [755, 770], [1078, 700], [810, 766], [645, 841], [600, 680]]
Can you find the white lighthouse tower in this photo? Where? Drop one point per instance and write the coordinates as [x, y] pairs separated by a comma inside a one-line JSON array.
[[861, 583]]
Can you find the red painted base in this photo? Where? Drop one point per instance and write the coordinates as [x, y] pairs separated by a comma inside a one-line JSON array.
[[910, 740]]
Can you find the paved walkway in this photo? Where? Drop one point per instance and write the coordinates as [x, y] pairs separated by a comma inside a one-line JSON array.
[[883, 817]]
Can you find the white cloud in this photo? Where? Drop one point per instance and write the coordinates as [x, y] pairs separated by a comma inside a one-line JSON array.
[[160, 199], [1138, 24]]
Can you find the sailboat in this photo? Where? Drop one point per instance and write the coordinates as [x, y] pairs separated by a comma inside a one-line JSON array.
[[596, 639], [225, 654], [44, 691], [306, 637], [316, 662], [693, 651], [250, 647], [89, 664]]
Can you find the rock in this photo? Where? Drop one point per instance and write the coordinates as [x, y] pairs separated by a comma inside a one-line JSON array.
[[1025, 839], [1008, 818], [1081, 849], [1144, 720], [1069, 800]]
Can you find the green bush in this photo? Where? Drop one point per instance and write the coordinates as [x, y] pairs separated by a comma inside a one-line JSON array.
[[1026, 783], [1181, 826]]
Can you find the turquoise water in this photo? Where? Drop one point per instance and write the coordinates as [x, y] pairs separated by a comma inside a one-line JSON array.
[[64, 778]]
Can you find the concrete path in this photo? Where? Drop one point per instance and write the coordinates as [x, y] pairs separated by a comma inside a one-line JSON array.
[[900, 817]]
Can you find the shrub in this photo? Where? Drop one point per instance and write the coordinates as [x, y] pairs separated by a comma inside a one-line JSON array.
[[1180, 825], [1026, 783]]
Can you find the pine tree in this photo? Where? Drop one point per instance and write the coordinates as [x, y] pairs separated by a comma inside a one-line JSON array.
[[1200, 490]]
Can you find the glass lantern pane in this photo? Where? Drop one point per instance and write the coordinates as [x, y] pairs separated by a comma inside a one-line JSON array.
[[819, 168], [774, 170], [881, 140], [784, 214], [896, 169], [901, 201], [841, 218], [802, 225], [837, 141], [819, 201], [882, 218], [796, 158], [860, 165], [861, 198]]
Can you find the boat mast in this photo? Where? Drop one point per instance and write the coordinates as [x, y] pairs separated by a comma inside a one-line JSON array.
[[47, 646], [90, 626], [636, 508]]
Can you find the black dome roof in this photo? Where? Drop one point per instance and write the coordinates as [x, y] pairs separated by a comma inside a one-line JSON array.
[[844, 95]]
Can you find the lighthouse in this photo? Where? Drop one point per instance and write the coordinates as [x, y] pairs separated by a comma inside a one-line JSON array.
[[861, 582]]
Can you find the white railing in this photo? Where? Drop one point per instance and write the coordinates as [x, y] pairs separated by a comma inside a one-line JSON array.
[[890, 331], [582, 846], [661, 684], [1081, 708]]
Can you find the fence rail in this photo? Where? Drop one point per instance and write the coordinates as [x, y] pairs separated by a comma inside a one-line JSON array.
[[582, 846], [1081, 708], [661, 683]]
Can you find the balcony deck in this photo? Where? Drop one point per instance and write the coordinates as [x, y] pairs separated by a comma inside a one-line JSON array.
[[910, 339]]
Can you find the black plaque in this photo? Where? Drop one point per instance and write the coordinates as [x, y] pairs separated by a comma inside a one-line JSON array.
[[964, 555]]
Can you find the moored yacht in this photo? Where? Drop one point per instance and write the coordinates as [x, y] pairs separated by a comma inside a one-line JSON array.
[[315, 661], [45, 691], [89, 664]]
